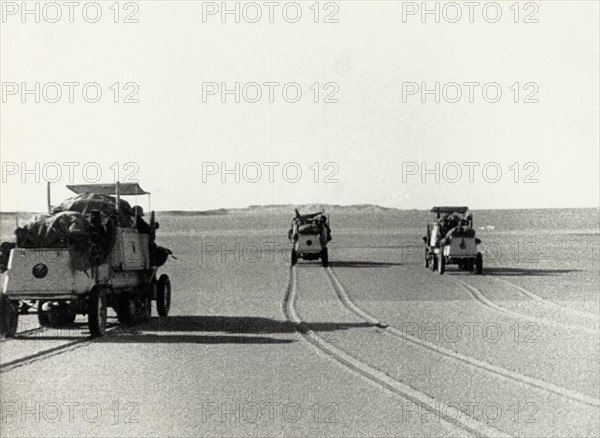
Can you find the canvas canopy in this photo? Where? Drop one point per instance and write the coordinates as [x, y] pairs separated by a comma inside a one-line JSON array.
[[125, 189]]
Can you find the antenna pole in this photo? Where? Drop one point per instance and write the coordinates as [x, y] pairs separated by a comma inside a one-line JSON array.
[[48, 198], [118, 196]]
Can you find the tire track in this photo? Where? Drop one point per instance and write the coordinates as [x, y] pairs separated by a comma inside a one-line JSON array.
[[379, 377], [479, 296], [547, 302], [512, 375], [49, 352], [24, 332]]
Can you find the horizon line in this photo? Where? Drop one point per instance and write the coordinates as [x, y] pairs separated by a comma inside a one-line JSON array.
[[257, 207]]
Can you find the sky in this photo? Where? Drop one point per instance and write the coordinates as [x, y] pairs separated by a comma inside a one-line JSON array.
[[358, 133]]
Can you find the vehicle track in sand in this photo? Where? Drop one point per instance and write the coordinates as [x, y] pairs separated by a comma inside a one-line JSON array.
[[545, 301], [48, 352], [425, 401], [24, 333], [485, 301], [480, 296], [346, 301]]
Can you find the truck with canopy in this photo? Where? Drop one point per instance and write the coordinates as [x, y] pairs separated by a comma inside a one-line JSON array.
[[90, 253], [309, 234], [450, 239]]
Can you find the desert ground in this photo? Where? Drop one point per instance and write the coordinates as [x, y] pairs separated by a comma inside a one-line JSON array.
[[373, 345]]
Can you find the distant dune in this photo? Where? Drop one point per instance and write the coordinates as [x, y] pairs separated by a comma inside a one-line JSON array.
[[534, 222], [275, 209], [285, 209], [354, 208]]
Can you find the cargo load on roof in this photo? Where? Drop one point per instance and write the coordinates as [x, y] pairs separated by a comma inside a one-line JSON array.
[[85, 203], [90, 253], [85, 224], [450, 239], [310, 234]]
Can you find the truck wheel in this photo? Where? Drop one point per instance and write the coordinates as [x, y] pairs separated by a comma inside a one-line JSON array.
[[147, 310], [55, 318], [163, 296], [44, 319], [468, 265], [97, 312], [441, 264], [126, 310], [433, 264], [294, 257], [325, 258], [478, 264], [68, 318], [9, 317]]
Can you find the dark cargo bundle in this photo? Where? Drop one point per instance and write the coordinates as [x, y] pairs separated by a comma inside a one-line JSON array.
[[106, 205], [50, 231], [85, 224], [311, 228], [159, 255], [91, 253]]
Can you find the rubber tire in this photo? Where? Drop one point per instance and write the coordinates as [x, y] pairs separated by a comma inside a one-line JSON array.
[[441, 264], [478, 264], [294, 257], [426, 259], [68, 319], [469, 263], [325, 257], [97, 312], [44, 319], [56, 319], [433, 265], [59, 320], [147, 310], [163, 296], [126, 310], [9, 317]]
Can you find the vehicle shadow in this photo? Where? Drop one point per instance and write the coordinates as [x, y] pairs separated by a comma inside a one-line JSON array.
[[526, 272], [178, 329], [362, 264], [335, 326], [236, 329], [156, 338], [227, 324]]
